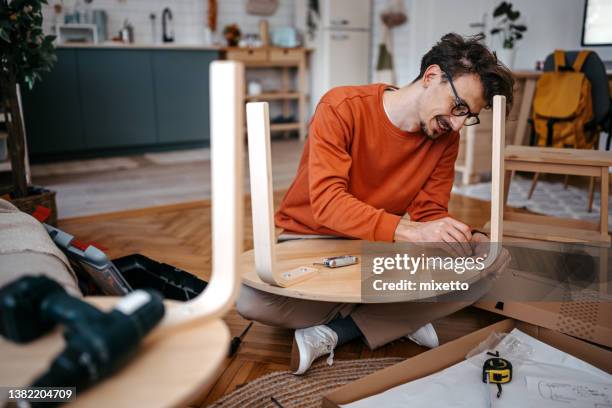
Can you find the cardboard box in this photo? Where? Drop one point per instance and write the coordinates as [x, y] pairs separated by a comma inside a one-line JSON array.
[[534, 294], [454, 352], [587, 320]]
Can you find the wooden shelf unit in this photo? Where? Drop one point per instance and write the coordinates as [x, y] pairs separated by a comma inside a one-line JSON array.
[[284, 127], [272, 96], [284, 59]]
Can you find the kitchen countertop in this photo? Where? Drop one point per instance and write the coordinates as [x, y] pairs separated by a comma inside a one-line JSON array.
[[142, 46]]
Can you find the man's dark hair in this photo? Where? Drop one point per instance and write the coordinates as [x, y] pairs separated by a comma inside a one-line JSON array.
[[459, 56]]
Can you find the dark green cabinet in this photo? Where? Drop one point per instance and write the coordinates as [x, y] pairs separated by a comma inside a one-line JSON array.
[[182, 92], [117, 98], [52, 109], [99, 101]]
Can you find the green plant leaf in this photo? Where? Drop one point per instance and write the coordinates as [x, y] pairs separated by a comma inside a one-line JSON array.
[[4, 35], [495, 31], [502, 9], [520, 27], [25, 53]]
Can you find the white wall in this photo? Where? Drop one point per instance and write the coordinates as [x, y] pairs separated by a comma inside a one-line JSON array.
[[551, 24], [189, 16]]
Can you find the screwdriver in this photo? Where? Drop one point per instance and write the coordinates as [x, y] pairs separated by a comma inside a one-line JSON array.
[[236, 341]]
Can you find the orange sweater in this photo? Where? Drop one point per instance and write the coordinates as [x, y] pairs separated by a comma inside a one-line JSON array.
[[359, 173]]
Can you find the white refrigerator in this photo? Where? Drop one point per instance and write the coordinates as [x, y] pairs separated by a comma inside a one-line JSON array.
[[342, 46]]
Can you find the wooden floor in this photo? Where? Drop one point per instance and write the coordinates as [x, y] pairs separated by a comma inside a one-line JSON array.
[[180, 235], [95, 186]]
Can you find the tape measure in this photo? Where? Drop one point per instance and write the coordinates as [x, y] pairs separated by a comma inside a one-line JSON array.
[[497, 371]]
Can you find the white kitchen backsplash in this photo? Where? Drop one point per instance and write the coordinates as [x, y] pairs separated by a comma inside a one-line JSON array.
[[189, 17]]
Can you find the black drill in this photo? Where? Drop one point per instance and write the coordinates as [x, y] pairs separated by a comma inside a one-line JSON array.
[[97, 343]]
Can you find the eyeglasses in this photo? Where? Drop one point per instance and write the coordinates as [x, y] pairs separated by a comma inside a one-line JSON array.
[[461, 108]]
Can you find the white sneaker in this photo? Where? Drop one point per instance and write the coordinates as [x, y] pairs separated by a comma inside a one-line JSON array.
[[426, 336], [312, 343]]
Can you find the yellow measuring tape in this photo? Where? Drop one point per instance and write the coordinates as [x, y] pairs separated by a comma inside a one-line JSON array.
[[497, 371]]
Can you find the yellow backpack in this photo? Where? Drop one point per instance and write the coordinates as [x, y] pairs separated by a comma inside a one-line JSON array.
[[562, 105]]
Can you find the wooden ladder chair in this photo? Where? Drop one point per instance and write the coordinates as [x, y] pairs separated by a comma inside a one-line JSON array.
[[579, 162]]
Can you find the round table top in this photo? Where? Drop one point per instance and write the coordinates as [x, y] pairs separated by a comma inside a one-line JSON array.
[[342, 285], [171, 370]]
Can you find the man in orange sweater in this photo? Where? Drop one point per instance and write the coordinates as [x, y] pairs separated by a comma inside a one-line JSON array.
[[379, 165]]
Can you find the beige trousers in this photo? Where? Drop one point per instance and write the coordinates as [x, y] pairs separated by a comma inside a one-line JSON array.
[[380, 323]]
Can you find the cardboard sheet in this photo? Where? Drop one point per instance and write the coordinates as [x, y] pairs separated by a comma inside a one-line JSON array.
[[454, 352], [461, 385]]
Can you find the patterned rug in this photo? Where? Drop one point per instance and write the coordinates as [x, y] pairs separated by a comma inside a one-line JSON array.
[[84, 166], [549, 198], [179, 156], [305, 391]]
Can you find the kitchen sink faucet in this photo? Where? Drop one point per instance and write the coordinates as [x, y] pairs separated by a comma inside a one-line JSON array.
[[168, 35]]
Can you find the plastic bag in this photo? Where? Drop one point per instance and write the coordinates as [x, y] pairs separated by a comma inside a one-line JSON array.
[[508, 346]]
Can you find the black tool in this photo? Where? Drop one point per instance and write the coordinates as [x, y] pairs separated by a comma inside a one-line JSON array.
[[97, 343], [236, 341], [275, 401], [497, 371]]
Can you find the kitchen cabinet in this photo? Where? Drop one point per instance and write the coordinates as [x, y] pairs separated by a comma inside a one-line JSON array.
[[105, 100], [117, 98], [181, 93], [57, 126]]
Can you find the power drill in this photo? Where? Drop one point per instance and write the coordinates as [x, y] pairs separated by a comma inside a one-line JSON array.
[[97, 343]]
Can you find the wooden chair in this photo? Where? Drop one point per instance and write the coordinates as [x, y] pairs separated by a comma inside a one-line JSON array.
[[595, 71], [580, 162], [181, 358], [286, 268]]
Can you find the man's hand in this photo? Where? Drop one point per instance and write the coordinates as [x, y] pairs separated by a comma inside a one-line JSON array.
[[447, 229], [482, 248]]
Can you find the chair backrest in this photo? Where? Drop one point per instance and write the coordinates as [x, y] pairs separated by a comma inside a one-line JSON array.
[[595, 71], [497, 168], [227, 127], [260, 167], [262, 204]]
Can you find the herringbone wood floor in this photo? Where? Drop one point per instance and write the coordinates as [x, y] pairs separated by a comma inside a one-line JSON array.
[[179, 235]]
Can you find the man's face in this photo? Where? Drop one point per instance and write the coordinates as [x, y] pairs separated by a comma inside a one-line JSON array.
[[438, 101]]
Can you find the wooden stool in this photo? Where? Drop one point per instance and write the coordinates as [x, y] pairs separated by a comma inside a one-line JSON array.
[[286, 268], [558, 161], [181, 358], [173, 370]]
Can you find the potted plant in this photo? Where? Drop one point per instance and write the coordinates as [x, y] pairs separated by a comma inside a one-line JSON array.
[[25, 53], [232, 34], [511, 32]]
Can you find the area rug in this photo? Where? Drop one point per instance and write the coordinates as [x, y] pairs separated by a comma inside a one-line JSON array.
[[291, 391], [83, 166], [549, 198], [179, 156]]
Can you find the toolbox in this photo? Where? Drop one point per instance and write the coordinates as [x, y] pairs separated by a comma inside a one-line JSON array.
[[174, 283], [98, 275]]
